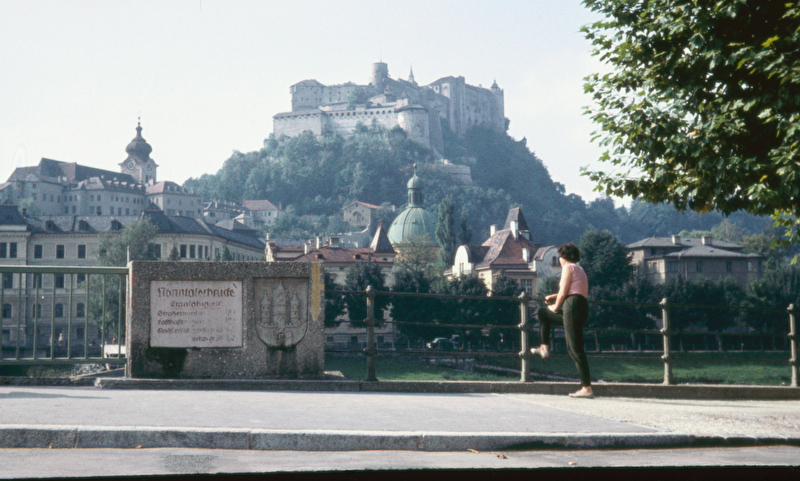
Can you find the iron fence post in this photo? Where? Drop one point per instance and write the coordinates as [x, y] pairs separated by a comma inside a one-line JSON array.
[[793, 342], [370, 351], [665, 331], [525, 353]]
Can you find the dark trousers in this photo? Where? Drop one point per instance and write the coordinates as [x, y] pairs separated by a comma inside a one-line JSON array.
[[573, 315]]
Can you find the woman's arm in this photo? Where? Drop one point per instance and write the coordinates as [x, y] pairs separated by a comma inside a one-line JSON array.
[[563, 287]]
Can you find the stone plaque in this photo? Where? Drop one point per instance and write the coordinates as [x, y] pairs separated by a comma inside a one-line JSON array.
[[195, 314]]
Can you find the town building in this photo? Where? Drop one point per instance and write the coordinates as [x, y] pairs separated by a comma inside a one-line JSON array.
[[661, 259], [54, 188], [74, 241], [508, 252], [337, 262], [359, 214]]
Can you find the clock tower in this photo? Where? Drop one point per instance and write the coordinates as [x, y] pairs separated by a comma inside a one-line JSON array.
[[139, 165]]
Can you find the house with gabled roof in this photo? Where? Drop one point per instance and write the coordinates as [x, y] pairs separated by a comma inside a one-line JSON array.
[[509, 252], [359, 214], [661, 259]]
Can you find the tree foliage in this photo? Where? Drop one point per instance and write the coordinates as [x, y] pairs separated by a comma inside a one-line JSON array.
[[446, 232], [702, 108], [604, 259], [113, 246], [358, 278]]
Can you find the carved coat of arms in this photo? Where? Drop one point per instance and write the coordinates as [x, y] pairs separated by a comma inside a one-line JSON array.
[[282, 321]]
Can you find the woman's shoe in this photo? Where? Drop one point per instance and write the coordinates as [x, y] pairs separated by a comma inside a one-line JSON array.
[[538, 351], [582, 394]]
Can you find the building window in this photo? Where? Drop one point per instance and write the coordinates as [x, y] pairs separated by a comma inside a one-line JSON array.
[[750, 266], [3, 250], [12, 250], [37, 252], [183, 251], [191, 251], [99, 210], [527, 285], [7, 311], [80, 310], [60, 251], [8, 280], [699, 267], [555, 261], [74, 209], [98, 197], [206, 250], [59, 310], [672, 267], [81, 251], [729, 266], [59, 280], [81, 278], [91, 197]]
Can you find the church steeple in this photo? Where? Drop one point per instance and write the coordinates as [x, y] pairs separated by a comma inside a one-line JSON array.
[[411, 77], [138, 164], [415, 196]]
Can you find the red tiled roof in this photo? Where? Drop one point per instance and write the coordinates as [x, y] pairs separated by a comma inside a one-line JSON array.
[[370, 206], [259, 205], [343, 256], [505, 250]]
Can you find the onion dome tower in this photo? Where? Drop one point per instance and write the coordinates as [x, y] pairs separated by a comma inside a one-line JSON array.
[[414, 221], [138, 164]]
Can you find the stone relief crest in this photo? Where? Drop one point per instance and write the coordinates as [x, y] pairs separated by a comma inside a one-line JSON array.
[[281, 320]]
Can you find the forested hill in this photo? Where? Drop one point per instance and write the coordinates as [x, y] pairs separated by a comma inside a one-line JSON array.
[[318, 176]]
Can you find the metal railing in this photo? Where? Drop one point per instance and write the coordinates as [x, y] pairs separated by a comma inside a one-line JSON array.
[[81, 318], [524, 327]]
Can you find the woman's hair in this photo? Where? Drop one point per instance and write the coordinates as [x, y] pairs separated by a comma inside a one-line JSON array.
[[569, 252]]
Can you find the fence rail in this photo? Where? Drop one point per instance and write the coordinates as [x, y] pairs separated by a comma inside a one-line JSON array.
[[525, 301], [57, 315]]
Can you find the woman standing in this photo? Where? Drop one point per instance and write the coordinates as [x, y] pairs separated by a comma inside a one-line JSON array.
[[570, 309]]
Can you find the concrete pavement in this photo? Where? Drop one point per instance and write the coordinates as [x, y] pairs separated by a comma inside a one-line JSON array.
[[88, 417]]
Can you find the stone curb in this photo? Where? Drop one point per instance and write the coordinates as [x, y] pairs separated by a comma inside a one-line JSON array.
[[69, 437], [632, 390], [654, 391]]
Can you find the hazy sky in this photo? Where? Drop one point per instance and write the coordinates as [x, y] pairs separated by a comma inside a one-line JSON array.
[[207, 76]]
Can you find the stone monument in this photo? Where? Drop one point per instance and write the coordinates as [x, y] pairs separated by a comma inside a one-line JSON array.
[[225, 320]]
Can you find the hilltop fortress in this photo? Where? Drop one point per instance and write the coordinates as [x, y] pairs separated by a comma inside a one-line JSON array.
[[389, 103]]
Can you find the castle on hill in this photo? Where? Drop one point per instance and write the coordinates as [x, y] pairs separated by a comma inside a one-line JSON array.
[[390, 103]]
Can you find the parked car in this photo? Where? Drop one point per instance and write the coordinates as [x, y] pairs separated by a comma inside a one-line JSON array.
[[442, 344]]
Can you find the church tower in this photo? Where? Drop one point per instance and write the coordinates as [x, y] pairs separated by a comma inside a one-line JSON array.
[[139, 165]]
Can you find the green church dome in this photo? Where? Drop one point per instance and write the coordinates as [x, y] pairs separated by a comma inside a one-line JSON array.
[[414, 220]]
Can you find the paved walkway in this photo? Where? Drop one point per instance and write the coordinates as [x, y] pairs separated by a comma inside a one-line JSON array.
[[87, 417]]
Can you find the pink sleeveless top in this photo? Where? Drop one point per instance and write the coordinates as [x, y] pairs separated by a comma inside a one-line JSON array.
[[579, 284]]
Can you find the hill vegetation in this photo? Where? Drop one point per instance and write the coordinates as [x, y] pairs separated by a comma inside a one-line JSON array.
[[314, 177]]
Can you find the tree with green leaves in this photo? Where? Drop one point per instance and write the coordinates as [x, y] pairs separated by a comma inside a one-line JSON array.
[[465, 231], [463, 311], [778, 288], [334, 303], [105, 303], [358, 278], [113, 246], [503, 313], [702, 107], [446, 232], [605, 259], [226, 255]]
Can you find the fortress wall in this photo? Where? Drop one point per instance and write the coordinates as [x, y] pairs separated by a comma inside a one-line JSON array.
[[344, 122], [415, 123], [337, 93], [297, 124], [306, 97], [480, 107]]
